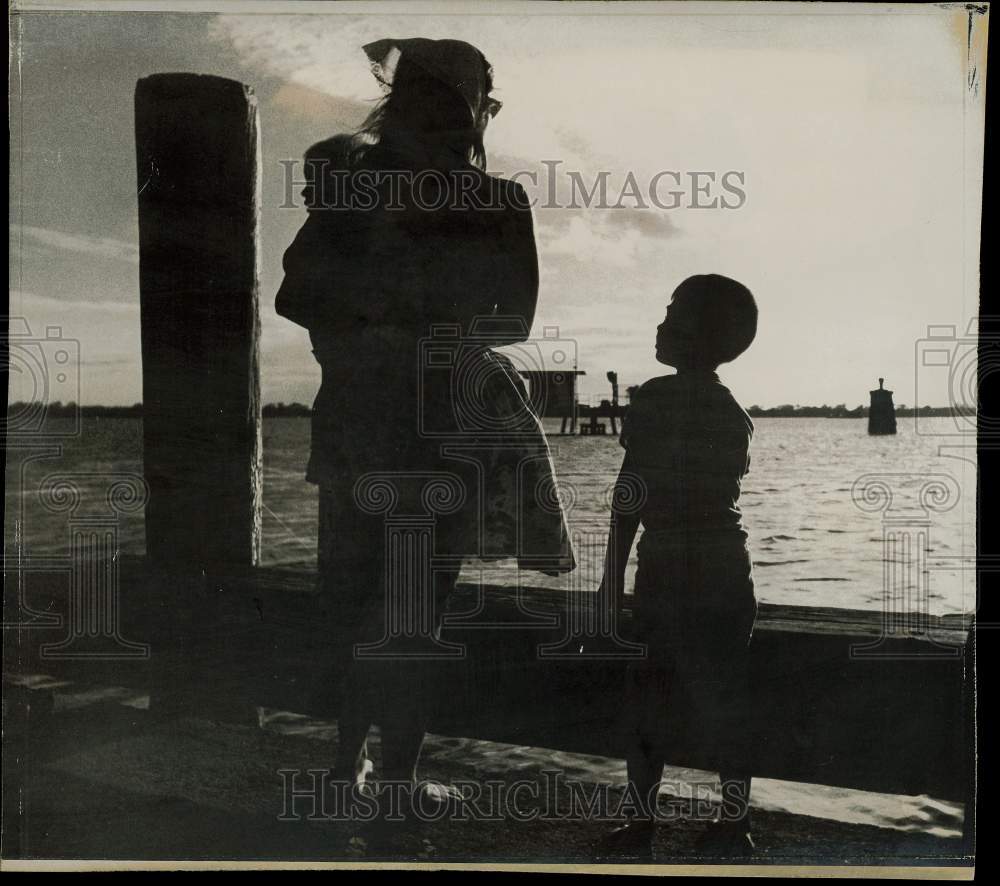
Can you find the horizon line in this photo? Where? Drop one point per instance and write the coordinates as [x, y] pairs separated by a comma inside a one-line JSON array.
[[295, 404]]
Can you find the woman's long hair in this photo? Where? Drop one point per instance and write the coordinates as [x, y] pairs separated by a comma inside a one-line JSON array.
[[421, 115]]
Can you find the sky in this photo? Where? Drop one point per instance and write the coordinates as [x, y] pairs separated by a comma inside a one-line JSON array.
[[855, 133]]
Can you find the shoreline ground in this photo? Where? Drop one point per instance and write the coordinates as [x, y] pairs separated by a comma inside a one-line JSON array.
[[102, 778]]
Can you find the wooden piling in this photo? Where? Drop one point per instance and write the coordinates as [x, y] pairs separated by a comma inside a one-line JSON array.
[[882, 412], [197, 156]]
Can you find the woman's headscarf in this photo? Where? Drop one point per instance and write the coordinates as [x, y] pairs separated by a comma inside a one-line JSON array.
[[455, 63]]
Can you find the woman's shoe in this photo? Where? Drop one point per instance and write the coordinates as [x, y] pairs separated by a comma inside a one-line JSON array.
[[633, 840], [433, 798], [350, 798], [367, 768]]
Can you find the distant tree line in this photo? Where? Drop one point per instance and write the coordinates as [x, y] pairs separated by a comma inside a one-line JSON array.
[[70, 410], [299, 410], [286, 410], [787, 410], [58, 409]]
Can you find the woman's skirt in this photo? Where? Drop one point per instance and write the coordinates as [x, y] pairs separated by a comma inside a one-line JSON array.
[[462, 451]]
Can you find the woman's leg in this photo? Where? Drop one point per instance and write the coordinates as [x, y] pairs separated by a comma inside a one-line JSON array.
[[354, 719], [352, 732], [347, 576], [408, 698], [402, 739]]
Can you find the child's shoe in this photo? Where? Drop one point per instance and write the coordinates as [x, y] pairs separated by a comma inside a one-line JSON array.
[[633, 840], [726, 840]]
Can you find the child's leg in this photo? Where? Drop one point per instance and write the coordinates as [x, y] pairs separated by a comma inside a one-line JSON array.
[[716, 666], [734, 769], [646, 698], [731, 703], [645, 762], [729, 836], [645, 757], [736, 800]]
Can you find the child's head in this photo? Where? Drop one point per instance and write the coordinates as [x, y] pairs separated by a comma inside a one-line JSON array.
[[710, 320]]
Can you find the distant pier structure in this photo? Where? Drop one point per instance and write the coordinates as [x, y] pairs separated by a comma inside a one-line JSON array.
[[553, 395], [882, 414], [609, 409]]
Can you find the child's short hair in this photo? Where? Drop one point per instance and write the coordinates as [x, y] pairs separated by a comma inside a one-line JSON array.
[[725, 312]]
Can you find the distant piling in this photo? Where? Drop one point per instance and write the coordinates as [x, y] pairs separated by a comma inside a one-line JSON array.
[[613, 378], [198, 165], [882, 413]]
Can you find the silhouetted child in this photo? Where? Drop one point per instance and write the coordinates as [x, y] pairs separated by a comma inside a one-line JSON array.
[[687, 447]]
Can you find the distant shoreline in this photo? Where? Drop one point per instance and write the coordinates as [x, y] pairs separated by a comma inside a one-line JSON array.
[[299, 410]]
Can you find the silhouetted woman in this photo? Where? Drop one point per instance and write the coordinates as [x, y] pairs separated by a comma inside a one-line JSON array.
[[411, 253]]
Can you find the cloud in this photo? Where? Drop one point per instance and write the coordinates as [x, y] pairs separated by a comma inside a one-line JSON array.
[[22, 302], [602, 236], [322, 53], [649, 222], [313, 104], [589, 244], [48, 239]]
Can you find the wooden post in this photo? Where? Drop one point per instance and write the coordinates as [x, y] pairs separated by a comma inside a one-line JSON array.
[[613, 378], [197, 156]]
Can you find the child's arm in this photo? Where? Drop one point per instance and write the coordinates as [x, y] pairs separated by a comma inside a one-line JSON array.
[[621, 534]]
